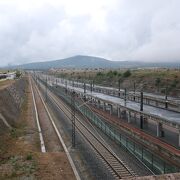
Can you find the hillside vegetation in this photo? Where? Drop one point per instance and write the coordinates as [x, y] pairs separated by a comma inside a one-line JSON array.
[[149, 80]]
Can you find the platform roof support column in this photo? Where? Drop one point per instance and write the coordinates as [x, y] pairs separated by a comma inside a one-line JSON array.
[[159, 129], [145, 121], [135, 117], [111, 109], [128, 116], [119, 112], [99, 103], [84, 87], [95, 102], [91, 86], [104, 106]]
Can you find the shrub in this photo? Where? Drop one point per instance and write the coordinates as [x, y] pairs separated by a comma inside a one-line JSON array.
[[115, 73], [99, 74], [29, 157], [158, 81], [174, 83]]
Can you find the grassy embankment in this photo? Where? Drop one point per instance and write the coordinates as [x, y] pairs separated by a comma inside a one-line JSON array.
[[148, 80]]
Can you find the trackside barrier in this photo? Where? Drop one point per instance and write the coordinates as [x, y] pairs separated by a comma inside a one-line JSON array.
[[152, 161]]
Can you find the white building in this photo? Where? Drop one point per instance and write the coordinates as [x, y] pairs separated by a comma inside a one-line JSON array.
[[11, 75]]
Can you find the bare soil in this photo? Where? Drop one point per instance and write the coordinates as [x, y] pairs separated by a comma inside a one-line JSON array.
[[53, 166], [6, 83], [20, 156], [52, 142]]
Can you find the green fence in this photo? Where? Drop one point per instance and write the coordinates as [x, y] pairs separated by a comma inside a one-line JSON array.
[[153, 162]]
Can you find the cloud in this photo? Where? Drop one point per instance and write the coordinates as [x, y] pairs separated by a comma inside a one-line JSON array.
[[115, 29]]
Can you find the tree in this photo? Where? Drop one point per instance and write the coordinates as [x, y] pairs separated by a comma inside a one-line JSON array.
[[157, 83], [127, 73], [115, 73], [18, 74], [99, 74]]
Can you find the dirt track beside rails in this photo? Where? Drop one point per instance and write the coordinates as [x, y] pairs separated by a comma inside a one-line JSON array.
[[20, 156]]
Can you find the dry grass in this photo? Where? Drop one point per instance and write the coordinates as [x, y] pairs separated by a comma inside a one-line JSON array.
[[14, 150], [20, 156], [145, 79], [6, 83]]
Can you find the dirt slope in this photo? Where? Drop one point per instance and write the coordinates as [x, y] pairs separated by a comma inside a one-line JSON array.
[[20, 156]]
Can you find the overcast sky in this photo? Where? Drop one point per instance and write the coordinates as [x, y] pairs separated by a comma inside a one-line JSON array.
[[41, 30]]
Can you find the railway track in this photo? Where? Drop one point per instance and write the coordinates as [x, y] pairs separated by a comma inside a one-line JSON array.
[[117, 167], [42, 144], [36, 92]]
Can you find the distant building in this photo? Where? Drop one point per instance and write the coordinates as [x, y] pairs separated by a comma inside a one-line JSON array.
[[11, 75], [3, 76]]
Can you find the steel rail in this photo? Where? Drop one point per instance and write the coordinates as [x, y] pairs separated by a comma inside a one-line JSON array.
[[43, 148], [116, 166], [59, 136]]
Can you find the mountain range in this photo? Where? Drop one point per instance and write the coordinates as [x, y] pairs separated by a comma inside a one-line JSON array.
[[93, 62]]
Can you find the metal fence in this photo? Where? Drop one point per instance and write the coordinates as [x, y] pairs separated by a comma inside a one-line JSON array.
[[152, 161], [156, 164]]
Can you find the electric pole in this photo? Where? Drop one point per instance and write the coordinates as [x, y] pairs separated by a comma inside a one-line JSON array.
[[119, 87], [166, 98], [134, 90], [46, 88], [73, 109], [141, 109], [125, 96]]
